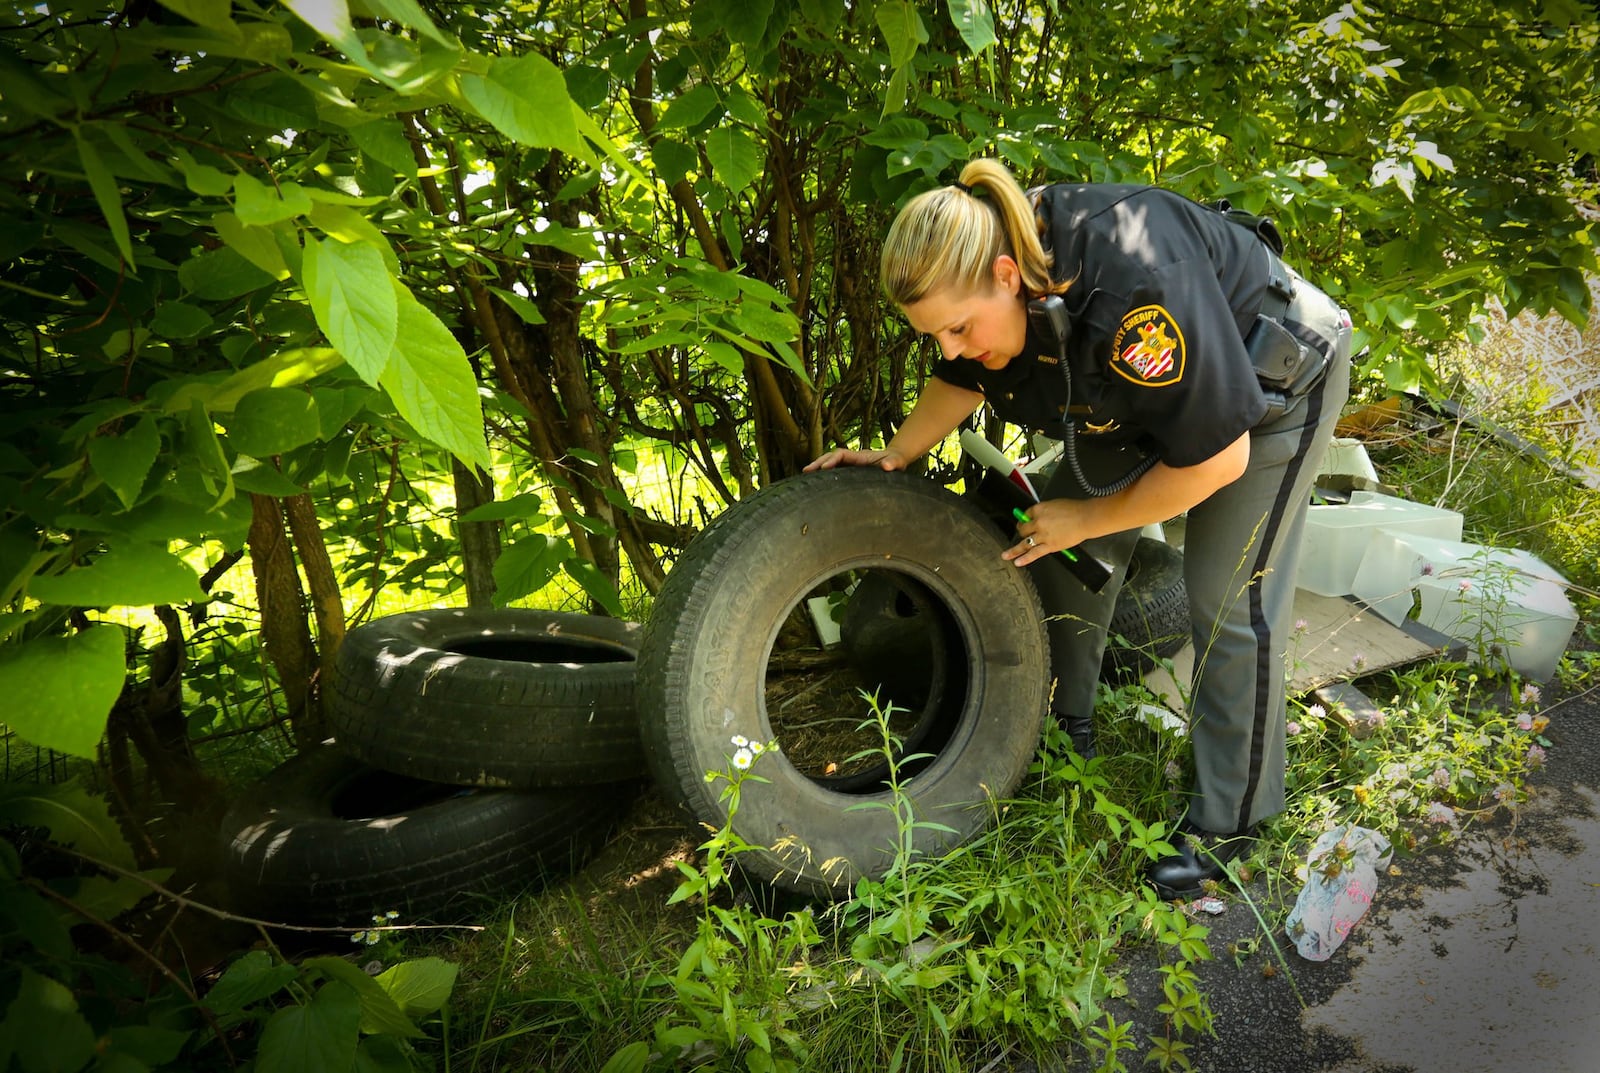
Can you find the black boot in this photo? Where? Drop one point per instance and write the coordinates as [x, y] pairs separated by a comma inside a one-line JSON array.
[[1080, 728], [1201, 858]]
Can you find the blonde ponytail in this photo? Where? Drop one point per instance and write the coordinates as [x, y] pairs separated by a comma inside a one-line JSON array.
[[949, 237]]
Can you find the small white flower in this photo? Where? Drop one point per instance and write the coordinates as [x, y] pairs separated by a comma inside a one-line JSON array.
[[740, 741], [757, 748], [1317, 711], [743, 758]]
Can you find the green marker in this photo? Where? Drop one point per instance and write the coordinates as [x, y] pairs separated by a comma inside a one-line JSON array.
[[1022, 516]]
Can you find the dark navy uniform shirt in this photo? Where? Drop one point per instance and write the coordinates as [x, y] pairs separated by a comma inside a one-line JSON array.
[[1163, 291]]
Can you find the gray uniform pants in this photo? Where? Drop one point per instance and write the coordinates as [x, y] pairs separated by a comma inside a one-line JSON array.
[[1241, 552]]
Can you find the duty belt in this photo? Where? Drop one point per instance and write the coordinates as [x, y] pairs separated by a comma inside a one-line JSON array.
[[1287, 363]]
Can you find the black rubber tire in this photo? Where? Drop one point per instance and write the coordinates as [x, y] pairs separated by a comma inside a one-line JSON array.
[[326, 839], [895, 632], [510, 698], [1152, 613], [703, 657]]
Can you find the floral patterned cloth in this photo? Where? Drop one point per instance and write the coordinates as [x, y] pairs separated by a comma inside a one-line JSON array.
[[1341, 876]]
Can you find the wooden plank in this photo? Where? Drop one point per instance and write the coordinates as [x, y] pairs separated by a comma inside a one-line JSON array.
[[1342, 639]]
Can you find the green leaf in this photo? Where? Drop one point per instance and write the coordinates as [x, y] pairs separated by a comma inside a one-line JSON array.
[[600, 588], [734, 156], [263, 479], [250, 979], [218, 275], [321, 1035], [283, 369], [689, 107], [259, 205], [124, 461], [379, 1012], [43, 1030], [202, 179], [151, 1046], [70, 814], [974, 22], [526, 99], [384, 1054], [106, 194], [351, 227], [432, 385], [765, 323], [902, 30], [384, 140], [60, 689], [421, 986], [521, 505], [726, 355], [409, 13], [522, 307], [353, 297], [629, 1058], [179, 320], [255, 243], [331, 19], [745, 21], [131, 575], [21, 88], [22, 912], [212, 14], [201, 442], [105, 898], [673, 160], [527, 566], [273, 421]]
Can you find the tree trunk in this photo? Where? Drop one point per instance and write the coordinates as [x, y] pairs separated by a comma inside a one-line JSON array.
[[285, 633], [480, 541]]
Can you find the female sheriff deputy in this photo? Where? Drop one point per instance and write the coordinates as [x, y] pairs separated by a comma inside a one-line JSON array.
[[1185, 368]]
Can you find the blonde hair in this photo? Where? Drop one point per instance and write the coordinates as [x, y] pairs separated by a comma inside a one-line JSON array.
[[949, 237]]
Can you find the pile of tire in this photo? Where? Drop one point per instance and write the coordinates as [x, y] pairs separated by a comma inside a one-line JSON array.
[[475, 753]]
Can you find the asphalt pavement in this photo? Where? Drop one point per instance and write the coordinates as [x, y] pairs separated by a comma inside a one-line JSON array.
[[1480, 956]]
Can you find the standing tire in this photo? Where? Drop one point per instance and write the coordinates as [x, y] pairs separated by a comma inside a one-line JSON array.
[[729, 606], [511, 698], [325, 839], [1151, 621]]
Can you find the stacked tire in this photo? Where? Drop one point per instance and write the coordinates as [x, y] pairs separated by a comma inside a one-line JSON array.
[[475, 753]]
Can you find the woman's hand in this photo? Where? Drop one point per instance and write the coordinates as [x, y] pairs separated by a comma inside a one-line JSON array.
[[887, 459], [1054, 524]]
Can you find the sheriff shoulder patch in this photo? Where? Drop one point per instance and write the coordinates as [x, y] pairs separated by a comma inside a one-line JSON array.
[[1148, 348]]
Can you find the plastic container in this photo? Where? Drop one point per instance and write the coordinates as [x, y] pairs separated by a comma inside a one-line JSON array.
[[1336, 536], [1348, 458], [1492, 599]]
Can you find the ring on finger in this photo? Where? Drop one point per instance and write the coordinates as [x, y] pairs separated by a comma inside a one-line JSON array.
[[1031, 542]]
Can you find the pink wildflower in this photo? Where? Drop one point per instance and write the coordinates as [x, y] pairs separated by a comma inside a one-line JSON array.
[[1440, 813], [1535, 757]]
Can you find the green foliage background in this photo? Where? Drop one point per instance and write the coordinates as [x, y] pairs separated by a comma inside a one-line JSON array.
[[365, 300], [256, 252]]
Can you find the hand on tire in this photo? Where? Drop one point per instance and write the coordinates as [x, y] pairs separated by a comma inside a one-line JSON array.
[[843, 456]]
